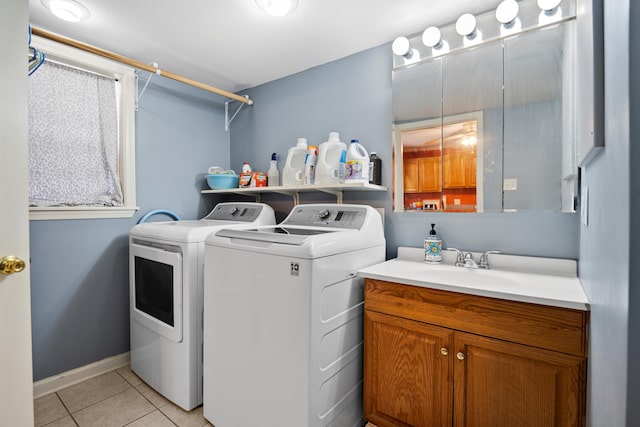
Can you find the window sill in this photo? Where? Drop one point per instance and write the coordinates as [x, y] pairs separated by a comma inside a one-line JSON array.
[[47, 213]]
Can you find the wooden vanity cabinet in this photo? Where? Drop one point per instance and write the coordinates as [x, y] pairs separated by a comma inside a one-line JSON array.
[[437, 358]]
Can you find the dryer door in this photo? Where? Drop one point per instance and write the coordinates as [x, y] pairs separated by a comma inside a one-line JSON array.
[[156, 288]]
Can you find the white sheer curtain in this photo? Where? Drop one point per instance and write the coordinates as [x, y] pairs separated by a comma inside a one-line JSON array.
[[73, 138]]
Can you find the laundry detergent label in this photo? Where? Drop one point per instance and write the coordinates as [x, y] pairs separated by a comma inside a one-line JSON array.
[[355, 169]]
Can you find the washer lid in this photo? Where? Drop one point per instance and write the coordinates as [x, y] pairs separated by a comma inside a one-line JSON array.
[[284, 235]]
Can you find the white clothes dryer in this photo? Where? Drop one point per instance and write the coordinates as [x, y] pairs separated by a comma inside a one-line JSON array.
[[283, 336], [166, 264]]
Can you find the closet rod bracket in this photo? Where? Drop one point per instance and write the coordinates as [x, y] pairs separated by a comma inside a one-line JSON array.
[[140, 93], [227, 119]]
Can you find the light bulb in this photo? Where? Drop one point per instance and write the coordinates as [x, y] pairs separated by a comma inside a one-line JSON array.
[[466, 25], [507, 12], [432, 37], [401, 46], [548, 5]]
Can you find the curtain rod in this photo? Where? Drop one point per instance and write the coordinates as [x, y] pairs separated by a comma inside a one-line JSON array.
[[137, 64]]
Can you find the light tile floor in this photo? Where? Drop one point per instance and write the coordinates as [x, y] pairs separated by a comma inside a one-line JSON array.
[[115, 399]]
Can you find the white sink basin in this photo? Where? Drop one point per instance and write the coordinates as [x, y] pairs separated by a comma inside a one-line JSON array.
[[467, 277], [527, 279]]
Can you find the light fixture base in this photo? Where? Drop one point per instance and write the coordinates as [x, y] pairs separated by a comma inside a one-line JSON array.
[[67, 10], [277, 7]]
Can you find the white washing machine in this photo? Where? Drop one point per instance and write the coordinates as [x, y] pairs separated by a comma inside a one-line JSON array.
[[283, 336], [166, 264]]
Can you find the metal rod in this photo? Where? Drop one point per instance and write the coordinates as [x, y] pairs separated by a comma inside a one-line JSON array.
[[137, 64]]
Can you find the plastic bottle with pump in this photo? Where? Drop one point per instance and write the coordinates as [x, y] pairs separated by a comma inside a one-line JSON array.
[[357, 163], [273, 176], [293, 170], [433, 246], [330, 153], [375, 169], [310, 163]]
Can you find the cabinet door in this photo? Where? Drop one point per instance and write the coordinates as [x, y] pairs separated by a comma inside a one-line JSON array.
[[460, 168], [430, 177], [410, 175], [498, 383], [407, 372], [454, 173], [470, 168]]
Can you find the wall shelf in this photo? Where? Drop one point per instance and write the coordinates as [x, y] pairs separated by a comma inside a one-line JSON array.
[[295, 190]]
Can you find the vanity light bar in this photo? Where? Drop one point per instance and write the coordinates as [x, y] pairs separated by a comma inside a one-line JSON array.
[[510, 17]]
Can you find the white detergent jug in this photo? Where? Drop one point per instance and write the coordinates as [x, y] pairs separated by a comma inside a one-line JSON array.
[[330, 153], [293, 170], [357, 163]]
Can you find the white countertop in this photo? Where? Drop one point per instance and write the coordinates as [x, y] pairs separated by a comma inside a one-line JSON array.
[[546, 281]]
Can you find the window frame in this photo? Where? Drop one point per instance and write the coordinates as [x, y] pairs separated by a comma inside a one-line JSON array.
[[75, 57]]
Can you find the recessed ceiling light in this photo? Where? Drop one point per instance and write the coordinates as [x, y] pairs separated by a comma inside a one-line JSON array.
[[68, 10], [278, 7]]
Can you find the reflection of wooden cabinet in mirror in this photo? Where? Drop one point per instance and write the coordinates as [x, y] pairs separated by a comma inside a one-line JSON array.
[[411, 183], [459, 168], [422, 175], [429, 173]]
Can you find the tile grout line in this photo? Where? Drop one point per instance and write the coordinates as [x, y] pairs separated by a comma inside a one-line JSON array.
[[66, 409], [147, 399]]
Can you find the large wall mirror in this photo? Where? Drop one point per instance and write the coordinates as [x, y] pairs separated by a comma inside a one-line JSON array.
[[488, 128]]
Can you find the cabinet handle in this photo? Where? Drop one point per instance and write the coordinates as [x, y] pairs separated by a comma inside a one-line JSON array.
[[460, 355], [444, 351]]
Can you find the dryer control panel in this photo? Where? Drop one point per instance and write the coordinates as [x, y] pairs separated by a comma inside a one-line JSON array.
[[334, 216]]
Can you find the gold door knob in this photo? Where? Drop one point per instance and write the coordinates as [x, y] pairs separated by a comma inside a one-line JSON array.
[[11, 264], [460, 355], [444, 351]]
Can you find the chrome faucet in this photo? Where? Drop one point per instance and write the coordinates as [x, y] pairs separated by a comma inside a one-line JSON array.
[[464, 259], [469, 262], [459, 257], [484, 259]]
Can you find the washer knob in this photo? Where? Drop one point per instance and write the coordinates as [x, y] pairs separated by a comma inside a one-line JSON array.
[[324, 214], [234, 210]]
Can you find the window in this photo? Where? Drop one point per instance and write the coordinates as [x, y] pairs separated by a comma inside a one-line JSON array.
[[81, 136]]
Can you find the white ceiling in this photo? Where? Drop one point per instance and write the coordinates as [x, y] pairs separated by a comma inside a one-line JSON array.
[[234, 45]]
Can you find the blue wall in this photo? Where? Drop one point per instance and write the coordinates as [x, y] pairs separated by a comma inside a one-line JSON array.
[[353, 96], [79, 274], [609, 270]]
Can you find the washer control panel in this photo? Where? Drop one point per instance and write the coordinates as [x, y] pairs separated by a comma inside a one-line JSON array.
[[334, 216]]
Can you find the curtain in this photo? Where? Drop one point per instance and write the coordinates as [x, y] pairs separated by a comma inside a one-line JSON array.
[[73, 138]]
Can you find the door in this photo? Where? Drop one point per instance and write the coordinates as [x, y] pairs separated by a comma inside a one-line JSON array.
[[156, 289], [16, 384], [407, 372], [498, 383]]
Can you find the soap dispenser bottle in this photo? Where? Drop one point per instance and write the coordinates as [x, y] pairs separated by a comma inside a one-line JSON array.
[[433, 246]]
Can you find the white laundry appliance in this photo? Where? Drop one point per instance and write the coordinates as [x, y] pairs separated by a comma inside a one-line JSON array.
[[283, 336], [166, 264]]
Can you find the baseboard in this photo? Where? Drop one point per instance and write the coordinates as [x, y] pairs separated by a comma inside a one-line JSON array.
[[74, 376]]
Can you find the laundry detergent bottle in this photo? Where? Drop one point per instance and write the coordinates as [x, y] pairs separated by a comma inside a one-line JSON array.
[[357, 163], [310, 163], [293, 170], [330, 153]]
